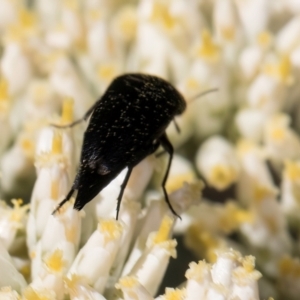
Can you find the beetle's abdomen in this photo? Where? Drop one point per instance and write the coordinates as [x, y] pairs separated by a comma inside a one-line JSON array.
[[134, 111]]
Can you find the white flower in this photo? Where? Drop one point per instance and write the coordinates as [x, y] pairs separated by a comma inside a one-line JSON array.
[[51, 185], [6, 293], [249, 10], [290, 189], [79, 290], [288, 279], [125, 24], [72, 21], [59, 38], [252, 57], [281, 141], [250, 123], [132, 289], [129, 213], [268, 230], [254, 171], [265, 93], [104, 243], [12, 224], [40, 100], [48, 11], [66, 82], [287, 38], [16, 166], [217, 162], [225, 21], [62, 232], [51, 275], [232, 276], [9, 276], [199, 279], [139, 178], [150, 267], [14, 57], [5, 126], [8, 13]]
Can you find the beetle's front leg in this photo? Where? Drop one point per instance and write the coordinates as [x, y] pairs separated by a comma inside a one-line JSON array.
[[84, 118], [166, 144]]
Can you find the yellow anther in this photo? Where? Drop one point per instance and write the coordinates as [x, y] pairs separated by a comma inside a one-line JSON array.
[[174, 294], [111, 229], [164, 230], [67, 110], [208, 50], [55, 261], [292, 170], [228, 33], [3, 90], [264, 39], [56, 143], [221, 176], [127, 282]]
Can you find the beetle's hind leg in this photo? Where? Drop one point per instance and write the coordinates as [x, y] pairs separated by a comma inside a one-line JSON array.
[[166, 144], [69, 195], [123, 186], [178, 130]]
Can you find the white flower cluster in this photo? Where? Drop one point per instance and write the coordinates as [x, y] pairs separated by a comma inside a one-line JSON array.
[[58, 57]]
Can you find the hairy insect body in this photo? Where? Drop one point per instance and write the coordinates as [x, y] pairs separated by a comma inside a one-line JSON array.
[[127, 124]]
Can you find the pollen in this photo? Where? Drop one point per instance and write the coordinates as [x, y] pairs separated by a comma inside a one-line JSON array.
[[289, 266], [175, 182], [198, 271], [111, 229], [67, 110], [71, 233], [18, 211], [56, 143], [280, 70], [161, 14], [27, 146], [222, 176], [127, 282], [203, 242], [261, 192], [30, 294], [192, 84], [3, 89], [106, 71], [27, 19], [54, 189], [71, 4], [4, 96], [174, 294], [208, 50], [292, 170], [244, 146], [55, 261], [128, 22], [264, 39], [72, 281], [228, 33], [233, 217], [249, 263], [164, 230]]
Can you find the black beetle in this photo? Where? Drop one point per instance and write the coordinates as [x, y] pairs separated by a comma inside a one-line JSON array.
[[127, 124]]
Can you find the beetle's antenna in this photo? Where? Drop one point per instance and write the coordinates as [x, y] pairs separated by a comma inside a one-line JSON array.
[[202, 94]]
